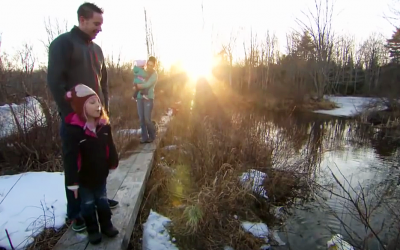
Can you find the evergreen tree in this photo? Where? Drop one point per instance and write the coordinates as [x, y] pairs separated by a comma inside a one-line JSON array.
[[393, 45]]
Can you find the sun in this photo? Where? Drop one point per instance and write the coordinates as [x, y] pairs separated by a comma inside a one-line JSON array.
[[198, 68], [199, 61]]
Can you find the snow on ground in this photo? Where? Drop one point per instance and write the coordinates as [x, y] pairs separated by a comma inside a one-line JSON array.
[[258, 230], [28, 114], [29, 202], [256, 179], [337, 242], [348, 105], [127, 132], [155, 233], [156, 236]]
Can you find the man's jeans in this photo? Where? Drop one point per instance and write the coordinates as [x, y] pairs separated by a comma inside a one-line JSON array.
[[73, 205], [145, 107]]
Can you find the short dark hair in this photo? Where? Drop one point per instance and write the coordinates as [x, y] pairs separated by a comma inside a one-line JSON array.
[[152, 59], [86, 10]]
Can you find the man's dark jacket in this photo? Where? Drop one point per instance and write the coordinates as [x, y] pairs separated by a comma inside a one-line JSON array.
[[74, 59]]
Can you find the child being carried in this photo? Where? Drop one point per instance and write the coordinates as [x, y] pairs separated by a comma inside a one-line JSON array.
[[139, 76]]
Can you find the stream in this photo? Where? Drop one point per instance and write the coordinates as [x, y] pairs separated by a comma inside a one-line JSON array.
[[359, 157]]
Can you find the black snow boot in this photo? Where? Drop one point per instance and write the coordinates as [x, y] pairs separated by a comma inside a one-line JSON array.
[[106, 225], [92, 228]]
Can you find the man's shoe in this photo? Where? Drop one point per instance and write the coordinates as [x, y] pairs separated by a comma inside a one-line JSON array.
[[113, 203], [78, 225]]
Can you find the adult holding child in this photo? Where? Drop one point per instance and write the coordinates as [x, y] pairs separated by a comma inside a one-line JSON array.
[[145, 99], [74, 58]]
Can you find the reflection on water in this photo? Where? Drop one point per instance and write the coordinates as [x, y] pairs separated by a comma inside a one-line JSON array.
[[355, 154]]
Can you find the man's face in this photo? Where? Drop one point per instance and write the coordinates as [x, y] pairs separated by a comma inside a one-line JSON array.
[[91, 26]]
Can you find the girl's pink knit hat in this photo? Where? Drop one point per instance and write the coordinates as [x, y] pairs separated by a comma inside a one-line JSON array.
[[78, 96]]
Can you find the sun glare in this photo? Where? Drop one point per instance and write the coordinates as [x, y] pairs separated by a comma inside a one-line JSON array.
[[199, 62], [198, 68]]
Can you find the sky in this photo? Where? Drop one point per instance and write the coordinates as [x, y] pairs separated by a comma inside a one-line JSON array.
[[182, 30]]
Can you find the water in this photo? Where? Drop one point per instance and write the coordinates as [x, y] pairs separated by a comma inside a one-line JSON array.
[[359, 157]]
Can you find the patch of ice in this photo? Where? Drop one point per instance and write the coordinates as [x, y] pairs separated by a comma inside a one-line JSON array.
[[28, 114], [127, 132], [259, 230], [37, 200], [170, 147], [337, 243], [348, 105], [155, 234], [278, 239], [256, 179]]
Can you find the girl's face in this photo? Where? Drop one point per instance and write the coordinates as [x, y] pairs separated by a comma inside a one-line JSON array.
[[93, 107]]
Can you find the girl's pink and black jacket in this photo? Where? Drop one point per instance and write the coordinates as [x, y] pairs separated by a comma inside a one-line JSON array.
[[90, 155]]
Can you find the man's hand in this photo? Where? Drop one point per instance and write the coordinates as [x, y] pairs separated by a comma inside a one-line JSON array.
[[76, 194], [74, 189]]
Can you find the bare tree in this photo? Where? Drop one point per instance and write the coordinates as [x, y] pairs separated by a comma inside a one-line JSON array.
[[319, 26], [394, 16], [53, 29], [269, 58], [374, 56], [228, 51], [149, 35], [363, 203], [251, 58]]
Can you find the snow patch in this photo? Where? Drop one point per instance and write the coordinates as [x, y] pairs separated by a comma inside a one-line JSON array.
[[348, 105], [337, 242], [29, 203], [127, 132], [259, 230], [28, 114], [254, 179], [155, 233]]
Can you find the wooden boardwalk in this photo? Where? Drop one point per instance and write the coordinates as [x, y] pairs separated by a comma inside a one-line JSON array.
[[126, 185]]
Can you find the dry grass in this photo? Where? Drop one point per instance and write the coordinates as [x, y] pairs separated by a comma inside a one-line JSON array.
[[47, 239], [33, 147], [197, 184]]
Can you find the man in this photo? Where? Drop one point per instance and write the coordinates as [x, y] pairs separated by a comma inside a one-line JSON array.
[[73, 59]]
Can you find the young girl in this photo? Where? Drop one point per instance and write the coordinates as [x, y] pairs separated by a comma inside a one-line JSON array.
[[92, 156]]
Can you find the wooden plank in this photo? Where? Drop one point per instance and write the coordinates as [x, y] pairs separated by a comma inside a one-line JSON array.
[[116, 179], [130, 195]]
